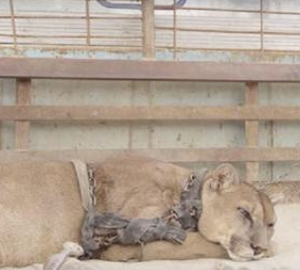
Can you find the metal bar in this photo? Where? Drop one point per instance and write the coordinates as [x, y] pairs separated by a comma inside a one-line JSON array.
[[88, 22], [22, 128], [240, 10], [76, 36], [147, 70], [13, 25], [194, 29], [74, 16], [148, 113], [87, 36], [261, 15], [219, 9], [220, 31], [251, 130], [107, 4], [171, 155], [174, 33]]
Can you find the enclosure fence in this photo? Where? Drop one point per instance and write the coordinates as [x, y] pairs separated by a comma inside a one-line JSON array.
[[251, 113], [260, 26]]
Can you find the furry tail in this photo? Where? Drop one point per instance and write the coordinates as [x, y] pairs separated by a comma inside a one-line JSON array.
[[70, 249]]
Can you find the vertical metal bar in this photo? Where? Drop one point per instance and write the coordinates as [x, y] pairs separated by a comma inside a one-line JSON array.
[[251, 129], [174, 31], [88, 22], [149, 52], [13, 25], [22, 128], [262, 27]]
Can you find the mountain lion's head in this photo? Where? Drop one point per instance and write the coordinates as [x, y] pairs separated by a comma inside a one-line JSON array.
[[236, 215]]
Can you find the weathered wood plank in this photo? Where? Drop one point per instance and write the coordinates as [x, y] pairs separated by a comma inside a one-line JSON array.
[[22, 128], [173, 155], [148, 29], [149, 52], [251, 130], [147, 70], [147, 113]]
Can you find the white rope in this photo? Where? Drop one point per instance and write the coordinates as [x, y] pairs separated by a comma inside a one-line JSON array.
[[70, 249], [82, 173]]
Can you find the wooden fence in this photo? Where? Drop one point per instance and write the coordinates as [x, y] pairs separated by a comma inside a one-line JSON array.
[[24, 70]]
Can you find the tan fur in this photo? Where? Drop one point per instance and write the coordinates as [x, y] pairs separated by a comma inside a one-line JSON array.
[[40, 208], [220, 221], [281, 192]]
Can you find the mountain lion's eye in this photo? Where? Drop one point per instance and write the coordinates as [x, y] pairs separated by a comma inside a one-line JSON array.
[[245, 214], [271, 225]]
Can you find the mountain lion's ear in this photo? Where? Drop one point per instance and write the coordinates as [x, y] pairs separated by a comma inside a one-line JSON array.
[[224, 177]]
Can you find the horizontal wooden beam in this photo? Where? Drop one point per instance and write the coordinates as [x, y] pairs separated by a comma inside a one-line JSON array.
[[145, 113], [146, 70], [171, 155]]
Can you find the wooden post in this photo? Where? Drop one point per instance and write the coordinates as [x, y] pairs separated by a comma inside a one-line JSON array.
[[22, 128], [149, 53], [251, 129], [148, 29]]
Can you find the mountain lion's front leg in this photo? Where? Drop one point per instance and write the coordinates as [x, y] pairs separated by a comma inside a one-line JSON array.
[[195, 246]]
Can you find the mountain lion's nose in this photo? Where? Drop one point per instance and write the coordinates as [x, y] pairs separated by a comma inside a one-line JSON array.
[[257, 249]]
